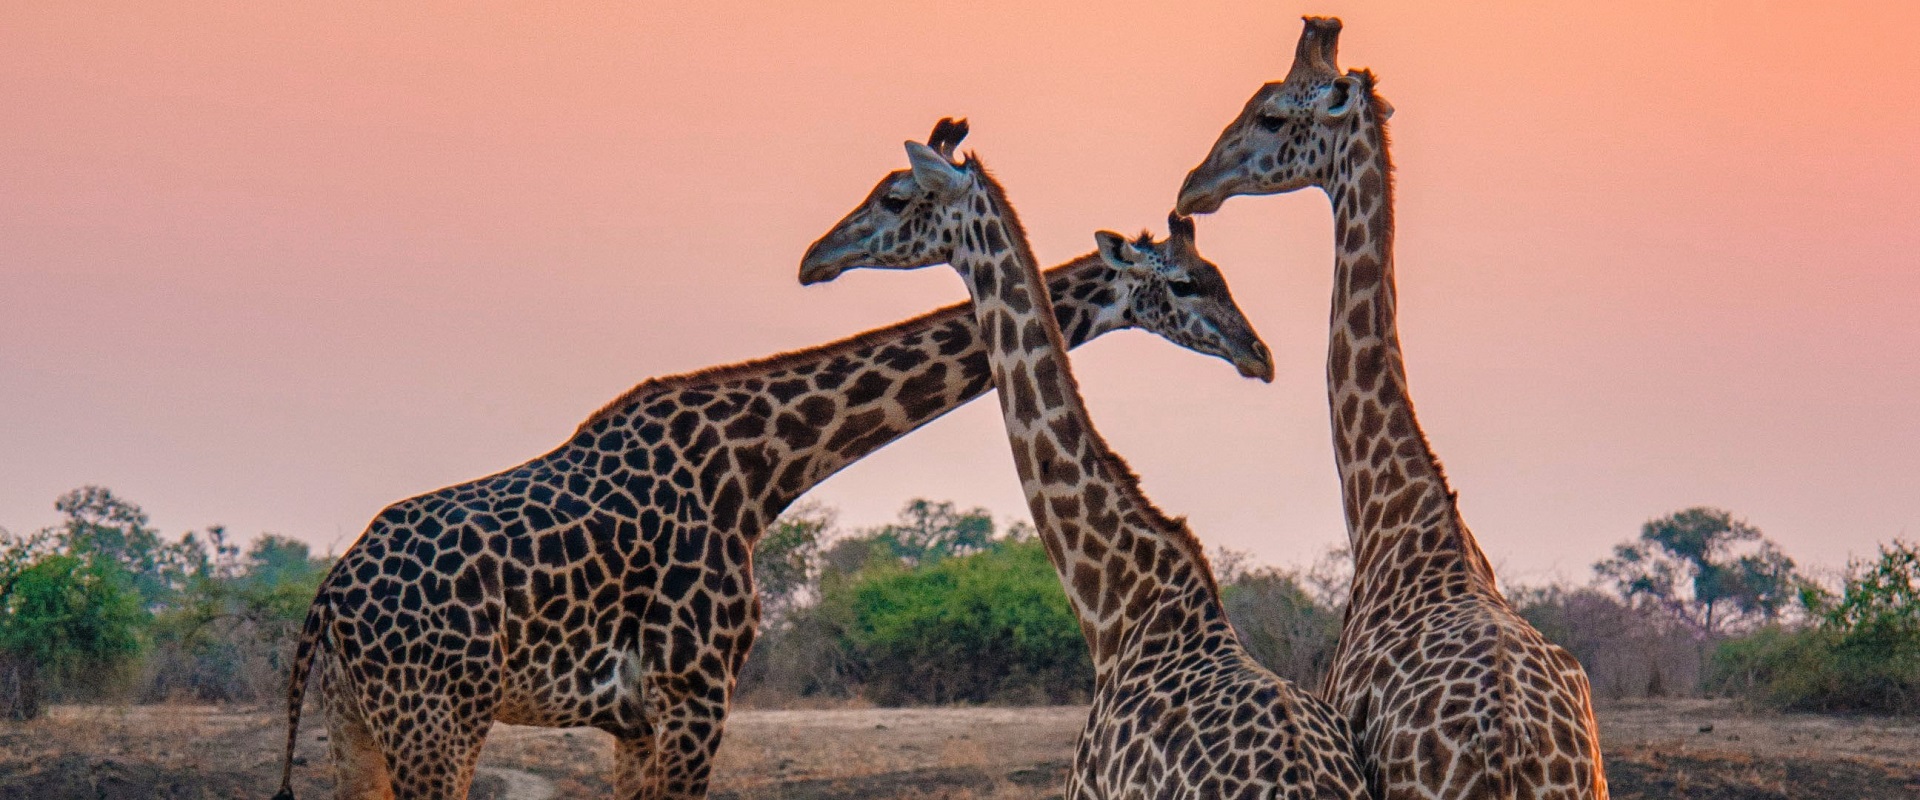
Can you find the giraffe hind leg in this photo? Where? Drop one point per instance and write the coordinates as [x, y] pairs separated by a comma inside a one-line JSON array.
[[435, 756], [359, 764]]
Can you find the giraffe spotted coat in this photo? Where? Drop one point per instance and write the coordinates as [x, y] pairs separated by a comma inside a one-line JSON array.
[[1450, 693], [608, 583], [1180, 709]]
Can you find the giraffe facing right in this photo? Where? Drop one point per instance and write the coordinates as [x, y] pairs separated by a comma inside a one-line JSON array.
[[609, 583], [1180, 708], [1451, 694]]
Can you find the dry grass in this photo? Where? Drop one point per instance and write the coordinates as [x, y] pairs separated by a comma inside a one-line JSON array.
[[1679, 748]]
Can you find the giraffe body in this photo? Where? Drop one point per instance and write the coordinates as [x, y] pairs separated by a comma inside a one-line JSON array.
[[608, 583], [1180, 709], [1450, 693]]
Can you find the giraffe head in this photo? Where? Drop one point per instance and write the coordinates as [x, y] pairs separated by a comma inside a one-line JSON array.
[[1292, 133], [913, 218], [1175, 292]]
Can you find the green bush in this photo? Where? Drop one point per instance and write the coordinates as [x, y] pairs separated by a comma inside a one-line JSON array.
[[68, 623], [1863, 655], [990, 626], [229, 634], [1779, 667], [105, 602]]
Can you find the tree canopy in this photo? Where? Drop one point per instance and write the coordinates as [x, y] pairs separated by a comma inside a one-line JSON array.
[[1706, 568]]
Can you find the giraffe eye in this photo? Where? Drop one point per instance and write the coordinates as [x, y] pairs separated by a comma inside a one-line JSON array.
[[1269, 123], [893, 205], [1183, 288]]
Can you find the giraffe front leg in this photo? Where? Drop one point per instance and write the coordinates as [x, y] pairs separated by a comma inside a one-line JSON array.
[[676, 762], [632, 763]]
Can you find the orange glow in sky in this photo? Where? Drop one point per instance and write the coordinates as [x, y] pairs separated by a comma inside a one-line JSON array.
[[277, 265]]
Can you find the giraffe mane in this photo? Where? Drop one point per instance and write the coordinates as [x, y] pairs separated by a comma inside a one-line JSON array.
[[1370, 83], [757, 366], [1124, 479]]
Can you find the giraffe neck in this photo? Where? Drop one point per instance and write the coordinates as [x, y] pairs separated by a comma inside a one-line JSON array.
[[795, 419], [1121, 562], [1392, 485]]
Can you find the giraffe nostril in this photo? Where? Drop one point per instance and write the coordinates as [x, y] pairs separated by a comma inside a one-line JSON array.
[[1258, 364]]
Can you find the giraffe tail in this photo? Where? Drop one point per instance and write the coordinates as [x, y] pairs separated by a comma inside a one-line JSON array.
[[319, 616]]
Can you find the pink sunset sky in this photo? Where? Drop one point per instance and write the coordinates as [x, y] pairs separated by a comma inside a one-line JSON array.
[[276, 265]]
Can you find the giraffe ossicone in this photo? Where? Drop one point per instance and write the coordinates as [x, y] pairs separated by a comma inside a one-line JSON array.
[[1180, 708], [1451, 693]]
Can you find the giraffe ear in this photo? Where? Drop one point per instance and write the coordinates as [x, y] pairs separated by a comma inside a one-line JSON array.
[[933, 171], [1343, 96], [1128, 258], [1118, 252]]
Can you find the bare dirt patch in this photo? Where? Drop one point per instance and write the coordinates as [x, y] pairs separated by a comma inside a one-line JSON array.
[[1706, 750], [1714, 750]]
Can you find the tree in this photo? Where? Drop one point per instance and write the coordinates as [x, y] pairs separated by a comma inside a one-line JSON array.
[[1874, 624], [1229, 565], [1880, 597], [225, 634], [1278, 620], [74, 616], [284, 573], [930, 531], [102, 527], [787, 557], [1706, 569]]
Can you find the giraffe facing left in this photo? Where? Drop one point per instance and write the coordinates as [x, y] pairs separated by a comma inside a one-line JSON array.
[[1180, 708], [1451, 693], [609, 583]]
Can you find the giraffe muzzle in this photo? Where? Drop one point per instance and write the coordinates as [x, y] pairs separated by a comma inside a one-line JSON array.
[[1201, 192], [1257, 362], [827, 258]]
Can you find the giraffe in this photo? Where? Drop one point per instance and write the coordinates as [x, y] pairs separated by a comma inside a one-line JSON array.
[[1450, 693], [1180, 709], [608, 583]]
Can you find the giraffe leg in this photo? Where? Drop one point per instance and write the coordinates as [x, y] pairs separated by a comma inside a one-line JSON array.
[[359, 768], [434, 754], [632, 762], [359, 765], [676, 763], [428, 754]]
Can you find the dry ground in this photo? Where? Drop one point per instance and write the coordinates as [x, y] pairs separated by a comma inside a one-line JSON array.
[[1665, 749]]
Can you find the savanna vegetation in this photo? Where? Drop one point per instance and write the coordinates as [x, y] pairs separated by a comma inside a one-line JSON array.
[[103, 606], [941, 607], [945, 606]]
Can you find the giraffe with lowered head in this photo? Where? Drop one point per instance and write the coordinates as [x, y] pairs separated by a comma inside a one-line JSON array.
[[1180, 709], [1450, 693], [608, 583]]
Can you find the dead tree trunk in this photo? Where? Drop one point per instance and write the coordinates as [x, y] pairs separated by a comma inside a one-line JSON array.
[[19, 687]]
